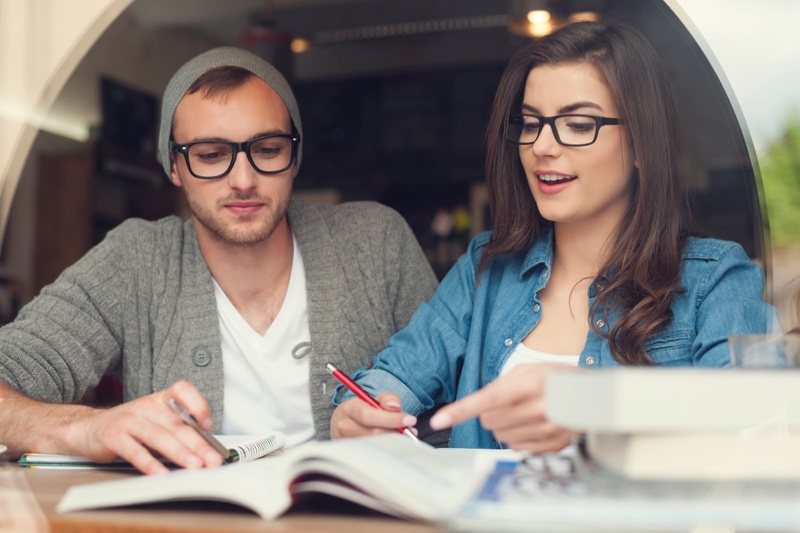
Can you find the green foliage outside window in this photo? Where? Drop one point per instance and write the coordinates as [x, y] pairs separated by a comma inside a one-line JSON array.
[[780, 174]]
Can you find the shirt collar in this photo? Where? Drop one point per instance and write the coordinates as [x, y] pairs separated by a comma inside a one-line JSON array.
[[541, 253]]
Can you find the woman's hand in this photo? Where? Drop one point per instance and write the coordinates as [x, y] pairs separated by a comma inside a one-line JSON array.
[[512, 408], [355, 418]]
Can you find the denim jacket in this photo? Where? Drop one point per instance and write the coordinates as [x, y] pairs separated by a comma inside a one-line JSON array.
[[458, 342]]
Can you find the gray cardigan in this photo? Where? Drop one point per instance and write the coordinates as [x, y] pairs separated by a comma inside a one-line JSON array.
[[141, 304]]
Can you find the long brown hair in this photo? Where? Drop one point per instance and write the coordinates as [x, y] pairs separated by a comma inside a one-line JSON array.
[[642, 275]]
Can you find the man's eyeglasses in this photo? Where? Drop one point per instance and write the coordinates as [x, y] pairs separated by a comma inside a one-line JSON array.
[[269, 154], [569, 130]]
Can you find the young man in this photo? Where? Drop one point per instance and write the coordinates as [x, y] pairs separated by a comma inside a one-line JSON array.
[[233, 313]]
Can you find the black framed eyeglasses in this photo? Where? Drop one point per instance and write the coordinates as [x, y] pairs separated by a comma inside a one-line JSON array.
[[569, 130], [209, 160]]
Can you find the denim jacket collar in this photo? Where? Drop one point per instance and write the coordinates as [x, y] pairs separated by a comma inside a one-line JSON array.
[[541, 253]]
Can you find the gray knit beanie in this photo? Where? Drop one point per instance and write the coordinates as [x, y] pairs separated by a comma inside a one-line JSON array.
[[225, 56]]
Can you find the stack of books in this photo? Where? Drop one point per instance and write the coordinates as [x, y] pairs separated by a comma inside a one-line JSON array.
[[684, 424]]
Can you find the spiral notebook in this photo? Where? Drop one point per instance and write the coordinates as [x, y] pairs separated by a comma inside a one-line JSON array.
[[247, 448]]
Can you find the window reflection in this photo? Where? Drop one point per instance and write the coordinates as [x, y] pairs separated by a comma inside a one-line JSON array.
[[395, 113]]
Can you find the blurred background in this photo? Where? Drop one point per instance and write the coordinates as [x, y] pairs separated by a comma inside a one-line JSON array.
[[394, 97]]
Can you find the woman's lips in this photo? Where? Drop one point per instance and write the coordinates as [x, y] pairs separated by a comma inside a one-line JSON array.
[[551, 178], [550, 183]]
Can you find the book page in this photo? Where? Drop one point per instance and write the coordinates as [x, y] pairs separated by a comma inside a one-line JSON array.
[[339, 489], [412, 476], [255, 485]]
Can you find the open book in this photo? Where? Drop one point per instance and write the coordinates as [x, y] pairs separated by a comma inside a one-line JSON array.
[[243, 448], [387, 473]]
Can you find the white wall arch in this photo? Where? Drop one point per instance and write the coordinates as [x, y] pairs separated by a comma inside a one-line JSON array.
[[41, 43]]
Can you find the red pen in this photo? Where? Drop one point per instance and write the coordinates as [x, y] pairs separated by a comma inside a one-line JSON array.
[[361, 393]]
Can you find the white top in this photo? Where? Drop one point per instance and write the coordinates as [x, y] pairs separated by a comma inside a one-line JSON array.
[[522, 355], [266, 377]]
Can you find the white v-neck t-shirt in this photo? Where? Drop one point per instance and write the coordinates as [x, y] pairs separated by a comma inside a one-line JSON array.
[[266, 376], [522, 355]]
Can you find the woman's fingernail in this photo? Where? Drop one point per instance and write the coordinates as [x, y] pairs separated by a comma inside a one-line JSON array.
[[394, 404], [409, 421], [441, 421]]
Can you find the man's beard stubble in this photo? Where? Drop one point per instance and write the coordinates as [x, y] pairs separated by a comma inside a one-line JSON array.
[[224, 233]]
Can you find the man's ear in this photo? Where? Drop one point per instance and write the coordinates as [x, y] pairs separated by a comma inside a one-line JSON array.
[[173, 171]]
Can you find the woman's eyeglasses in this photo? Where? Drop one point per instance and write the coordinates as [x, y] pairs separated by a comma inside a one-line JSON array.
[[569, 130]]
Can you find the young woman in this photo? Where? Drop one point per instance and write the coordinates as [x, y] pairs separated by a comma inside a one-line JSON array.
[[590, 263]]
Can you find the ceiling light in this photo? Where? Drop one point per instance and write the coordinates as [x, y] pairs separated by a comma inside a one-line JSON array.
[[540, 16], [300, 45], [533, 18], [584, 16]]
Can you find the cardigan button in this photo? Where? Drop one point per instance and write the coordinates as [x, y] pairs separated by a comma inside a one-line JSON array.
[[201, 357]]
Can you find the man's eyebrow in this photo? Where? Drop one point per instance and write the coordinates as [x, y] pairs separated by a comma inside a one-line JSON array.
[[275, 131], [226, 140]]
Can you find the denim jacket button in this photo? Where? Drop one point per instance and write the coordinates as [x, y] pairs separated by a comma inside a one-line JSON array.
[[590, 360], [508, 342], [600, 324], [536, 308], [369, 365]]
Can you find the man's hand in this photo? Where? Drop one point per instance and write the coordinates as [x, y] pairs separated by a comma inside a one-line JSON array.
[[355, 418], [137, 431], [511, 407]]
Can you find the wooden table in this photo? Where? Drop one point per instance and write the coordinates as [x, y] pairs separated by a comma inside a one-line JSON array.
[[47, 486]]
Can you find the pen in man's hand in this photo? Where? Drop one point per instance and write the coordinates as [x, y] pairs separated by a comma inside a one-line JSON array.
[[187, 417], [361, 393]]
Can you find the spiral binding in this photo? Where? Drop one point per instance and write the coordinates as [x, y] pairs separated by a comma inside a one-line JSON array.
[[255, 449]]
